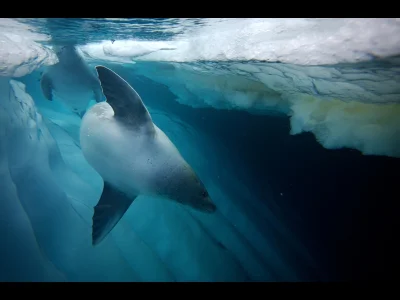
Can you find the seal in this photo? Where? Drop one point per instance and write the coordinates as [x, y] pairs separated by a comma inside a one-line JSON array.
[[71, 80], [133, 156]]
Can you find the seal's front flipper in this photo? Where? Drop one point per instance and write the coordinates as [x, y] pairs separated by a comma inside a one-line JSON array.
[[47, 86], [109, 210]]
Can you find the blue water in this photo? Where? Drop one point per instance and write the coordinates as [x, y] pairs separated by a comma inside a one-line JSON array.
[[299, 154]]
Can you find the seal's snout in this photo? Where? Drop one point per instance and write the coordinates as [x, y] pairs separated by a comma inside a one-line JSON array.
[[208, 206], [211, 207], [204, 205]]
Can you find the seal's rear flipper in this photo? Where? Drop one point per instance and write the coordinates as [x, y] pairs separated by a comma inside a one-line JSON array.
[[109, 210], [47, 87]]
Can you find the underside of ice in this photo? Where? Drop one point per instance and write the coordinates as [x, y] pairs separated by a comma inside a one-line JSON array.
[[351, 78], [218, 64], [352, 106]]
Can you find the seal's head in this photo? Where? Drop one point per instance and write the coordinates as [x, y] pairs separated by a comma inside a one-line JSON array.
[[185, 187], [200, 199]]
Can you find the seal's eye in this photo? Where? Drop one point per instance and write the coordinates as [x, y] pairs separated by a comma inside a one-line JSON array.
[[204, 193]]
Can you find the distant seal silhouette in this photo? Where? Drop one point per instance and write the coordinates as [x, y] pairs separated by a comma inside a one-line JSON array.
[[71, 80], [133, 156]]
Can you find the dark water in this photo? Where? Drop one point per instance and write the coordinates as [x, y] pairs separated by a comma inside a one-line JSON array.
[[341, 203]]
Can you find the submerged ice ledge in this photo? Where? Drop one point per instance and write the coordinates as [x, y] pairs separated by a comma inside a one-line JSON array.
[[54, 190]]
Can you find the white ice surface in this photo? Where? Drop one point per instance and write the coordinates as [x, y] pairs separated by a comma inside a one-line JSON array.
[[296, 41], [20, 52]]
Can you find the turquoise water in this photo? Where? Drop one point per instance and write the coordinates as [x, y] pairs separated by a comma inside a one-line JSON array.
[[291, 124]]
